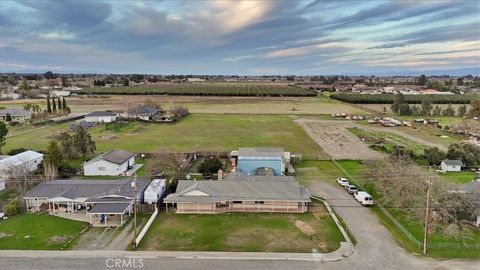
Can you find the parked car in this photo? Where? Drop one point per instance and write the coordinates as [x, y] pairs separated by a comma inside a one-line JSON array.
[[351, 189], [363, 198], [342, 181]]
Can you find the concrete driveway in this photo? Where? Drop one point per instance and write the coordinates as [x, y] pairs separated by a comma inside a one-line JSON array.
[[376, 248]]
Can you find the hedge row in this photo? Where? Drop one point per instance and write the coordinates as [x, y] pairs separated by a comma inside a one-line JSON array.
[[411, 99]]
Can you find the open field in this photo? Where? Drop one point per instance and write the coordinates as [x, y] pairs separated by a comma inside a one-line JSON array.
[[461, 177], [260, 232], [36, 231], [206, 89], [206, 104], [197, 132], [333, 137]]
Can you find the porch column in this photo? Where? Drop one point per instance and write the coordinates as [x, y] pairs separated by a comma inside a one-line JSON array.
[[26, 202], [273, 206], [90, 219], [303, 205], [288, 206], [198, 207], [121, 219]]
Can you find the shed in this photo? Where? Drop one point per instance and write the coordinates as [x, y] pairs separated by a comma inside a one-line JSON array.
[[451, 165]]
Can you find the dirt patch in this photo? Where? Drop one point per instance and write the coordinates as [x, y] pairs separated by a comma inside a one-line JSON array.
[[336, 140], [3, 235], [58, 239], [304, 227]]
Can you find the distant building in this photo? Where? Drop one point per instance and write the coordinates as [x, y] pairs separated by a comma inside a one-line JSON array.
[[115, 162], [472, 189], [101, 117], [59, 93], [18, 115], [143, 112], [449, 165]]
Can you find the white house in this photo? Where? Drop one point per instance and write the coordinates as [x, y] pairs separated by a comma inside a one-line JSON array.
[[23, 162], [60, 93], [19, 115], [449, 165], [115, 162], [101, 117]]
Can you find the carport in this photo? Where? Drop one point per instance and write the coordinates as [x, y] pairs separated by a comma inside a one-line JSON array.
[[116, 209]]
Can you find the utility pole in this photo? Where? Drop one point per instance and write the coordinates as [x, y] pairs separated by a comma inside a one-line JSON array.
[[427, 213], [134, 186]]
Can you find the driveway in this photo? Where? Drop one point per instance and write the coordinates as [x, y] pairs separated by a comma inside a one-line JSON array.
[[376, 248]]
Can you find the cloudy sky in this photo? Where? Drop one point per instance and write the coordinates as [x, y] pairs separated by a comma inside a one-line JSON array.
[[241, 37]]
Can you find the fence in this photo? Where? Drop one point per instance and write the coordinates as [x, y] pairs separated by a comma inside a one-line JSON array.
[[146, 227]]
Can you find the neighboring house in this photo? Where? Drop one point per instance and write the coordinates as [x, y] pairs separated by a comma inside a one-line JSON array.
[[143, 112], [59, 93], [263, 194], [451, 165], [18, 115], [94, 201], [101, 117], [252, 161], [115, 162], [472, 189], [20, 163]]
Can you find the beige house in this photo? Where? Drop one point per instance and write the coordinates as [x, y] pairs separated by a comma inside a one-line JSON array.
[[18, 115], [273, 194]]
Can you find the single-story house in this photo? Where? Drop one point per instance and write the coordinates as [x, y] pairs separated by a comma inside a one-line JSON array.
[[27, 161], [18, 115], [250, 160], [115, 162], [101, 117], [143, 112], [59, 93], [451, 165], [247, 195], [472, 189], [87, 200]]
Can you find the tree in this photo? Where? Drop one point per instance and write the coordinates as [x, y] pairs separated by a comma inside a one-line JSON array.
[[83, 142], [426, 106], [468, 153], [59, 104], [68, 145], [474, 108], [422, 80], [404, 109], [398, 100], [449, 111], [460, 81], [27, 107], [437, 111], [126, 82], [8, 117], [64, 104], [3, 134], [25, 85], [462, 110], [54, 106], [49, 108], [434, 155], [64, 82], [210, 165], [52, 161], [50, 75]]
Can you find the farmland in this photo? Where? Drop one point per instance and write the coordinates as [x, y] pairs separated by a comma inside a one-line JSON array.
[[205, 89], [197, 132], [411, 99]]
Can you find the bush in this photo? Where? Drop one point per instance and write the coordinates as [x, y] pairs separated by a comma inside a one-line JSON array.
[[16, 151], [12, 208], [210, 166]]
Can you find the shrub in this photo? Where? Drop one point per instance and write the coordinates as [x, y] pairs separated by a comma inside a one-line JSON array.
[[12, 208], [210, 165]]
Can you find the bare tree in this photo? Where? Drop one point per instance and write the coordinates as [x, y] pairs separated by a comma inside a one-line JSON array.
[[20, 173]]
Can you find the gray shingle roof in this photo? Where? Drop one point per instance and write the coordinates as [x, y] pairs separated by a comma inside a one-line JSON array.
[[14, 112], [453, 162], [260, 152], [117, 156], [239, 190], [101, 113], [109, 208]]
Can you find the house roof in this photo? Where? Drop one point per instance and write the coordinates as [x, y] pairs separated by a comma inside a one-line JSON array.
[[14, 112], [21, 158], [109, 208], [238, 176], [87, 189], [260, 152], [116, 156], [145, 109], [453, 162], [215, 191], [101, 113]]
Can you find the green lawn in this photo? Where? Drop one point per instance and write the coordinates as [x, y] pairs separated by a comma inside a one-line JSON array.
[[209, 132], [325, 170], [461, 177], [36, 231], [253, 232]]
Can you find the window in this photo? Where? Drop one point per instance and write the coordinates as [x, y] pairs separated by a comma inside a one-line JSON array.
[[237, 202], [101, 168], [259, 202]]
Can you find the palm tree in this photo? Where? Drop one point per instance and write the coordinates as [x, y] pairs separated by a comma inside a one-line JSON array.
[[27, 107], [36, 108]]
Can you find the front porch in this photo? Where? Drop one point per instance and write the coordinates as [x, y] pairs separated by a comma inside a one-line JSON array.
[[239, 206]]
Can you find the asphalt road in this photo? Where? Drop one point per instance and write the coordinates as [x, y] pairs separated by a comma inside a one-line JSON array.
[[375, 249]]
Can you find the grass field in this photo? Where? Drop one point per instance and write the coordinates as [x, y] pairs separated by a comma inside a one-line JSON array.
[[197, 132], [206, 89], [35, 231], [462, 177], [254, 232]]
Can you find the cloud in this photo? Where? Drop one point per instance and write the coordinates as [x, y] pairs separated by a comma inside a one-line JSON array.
[[327, 47]]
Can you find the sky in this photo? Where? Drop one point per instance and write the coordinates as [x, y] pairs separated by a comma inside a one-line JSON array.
[[240, 37]]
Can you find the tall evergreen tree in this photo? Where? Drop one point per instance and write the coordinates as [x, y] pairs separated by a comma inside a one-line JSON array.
[[49, 107], [59, 104], [64, 104], [398, 101], [83, 142], [54, 106]]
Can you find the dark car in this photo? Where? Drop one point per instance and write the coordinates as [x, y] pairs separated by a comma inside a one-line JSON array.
[[351, 189]]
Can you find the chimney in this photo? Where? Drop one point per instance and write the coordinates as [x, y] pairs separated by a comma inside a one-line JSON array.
[[220, 175]]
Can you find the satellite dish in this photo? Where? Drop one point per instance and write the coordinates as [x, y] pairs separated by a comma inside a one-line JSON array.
[[187, 176]]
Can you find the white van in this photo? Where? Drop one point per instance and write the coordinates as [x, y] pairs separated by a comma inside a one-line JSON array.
[[363, 197]]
